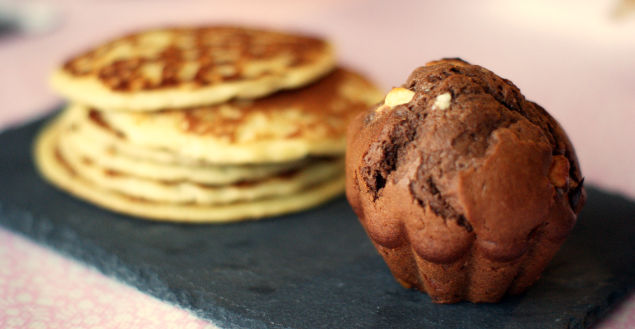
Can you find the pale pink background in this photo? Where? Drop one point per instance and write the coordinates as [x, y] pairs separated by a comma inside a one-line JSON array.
[[573, 58]]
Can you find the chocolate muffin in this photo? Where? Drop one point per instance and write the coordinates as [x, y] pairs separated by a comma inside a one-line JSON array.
[[466, 188]]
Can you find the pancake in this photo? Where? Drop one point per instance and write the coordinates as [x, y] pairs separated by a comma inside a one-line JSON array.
[[286, 126], [186, 67], [110, 157], [188, 192], [89, 126], [52, 166]]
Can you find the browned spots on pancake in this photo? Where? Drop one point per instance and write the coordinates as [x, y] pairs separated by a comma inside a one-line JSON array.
[[86, 161], [287, 175], [60, 159], [219, 53], [108, 172], [112, 173], [95, 117], [136, 199], [323, 101]]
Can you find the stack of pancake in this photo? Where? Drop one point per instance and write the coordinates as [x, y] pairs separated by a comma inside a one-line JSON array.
[[203, 124]]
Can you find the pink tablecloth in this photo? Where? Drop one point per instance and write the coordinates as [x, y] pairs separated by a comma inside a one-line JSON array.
[[575, 59]]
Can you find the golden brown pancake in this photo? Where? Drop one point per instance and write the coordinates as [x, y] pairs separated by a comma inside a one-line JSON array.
[[54, 168], [183, 67]]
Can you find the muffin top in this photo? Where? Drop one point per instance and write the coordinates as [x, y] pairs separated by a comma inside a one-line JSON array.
[[457, 156]]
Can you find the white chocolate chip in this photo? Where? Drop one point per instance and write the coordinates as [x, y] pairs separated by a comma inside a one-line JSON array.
[[398, 96], [442, 102]]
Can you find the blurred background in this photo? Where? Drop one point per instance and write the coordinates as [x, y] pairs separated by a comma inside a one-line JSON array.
[[575, 58]]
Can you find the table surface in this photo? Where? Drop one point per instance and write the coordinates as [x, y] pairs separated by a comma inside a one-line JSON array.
[[575, 59]]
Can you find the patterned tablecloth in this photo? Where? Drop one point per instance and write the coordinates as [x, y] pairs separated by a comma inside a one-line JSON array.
[[575, 59]]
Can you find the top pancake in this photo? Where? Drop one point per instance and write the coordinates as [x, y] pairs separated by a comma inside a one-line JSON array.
[[186, 67]]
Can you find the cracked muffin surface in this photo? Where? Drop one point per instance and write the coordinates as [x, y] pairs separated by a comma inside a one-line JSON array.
[[466, 188]]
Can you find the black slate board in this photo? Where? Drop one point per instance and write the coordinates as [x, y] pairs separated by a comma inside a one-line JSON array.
[[315, 269]]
